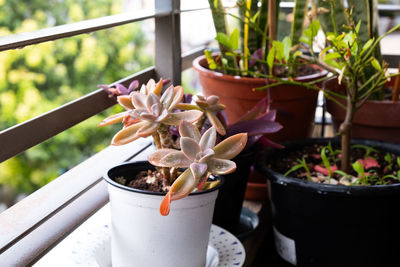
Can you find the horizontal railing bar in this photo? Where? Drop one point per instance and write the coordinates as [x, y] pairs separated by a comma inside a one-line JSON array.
[[21, 40], [195, 9], [188, 57], [15, 140]]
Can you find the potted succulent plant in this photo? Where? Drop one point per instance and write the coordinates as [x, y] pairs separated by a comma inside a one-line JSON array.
[[142, 236], [374, 120], [243, 65], [258, 123], [330, 198]]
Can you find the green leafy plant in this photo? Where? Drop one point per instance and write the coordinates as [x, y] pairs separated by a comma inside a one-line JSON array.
[[150, 112], [259, 47], [346, 57], [301, 164]]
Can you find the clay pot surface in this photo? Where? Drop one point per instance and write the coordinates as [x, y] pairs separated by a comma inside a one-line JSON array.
[[295, 105], [377, 120]]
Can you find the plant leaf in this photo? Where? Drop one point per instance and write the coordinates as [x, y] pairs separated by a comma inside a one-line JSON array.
[[223, 39], [234, 39], [221, 166], [188, 115], [168, 157], [187, 129], [231, 147], [181, 187], [113, 119], [127, 134], [208, 139]]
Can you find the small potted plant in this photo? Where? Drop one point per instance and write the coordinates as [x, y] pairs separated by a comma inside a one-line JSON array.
[[331, 197], [141, 193], [243, 64]]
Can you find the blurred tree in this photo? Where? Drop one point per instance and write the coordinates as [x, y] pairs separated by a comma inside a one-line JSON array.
[[41, 77]]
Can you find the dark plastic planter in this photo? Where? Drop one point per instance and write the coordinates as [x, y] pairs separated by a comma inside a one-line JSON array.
[[328, 225], [228, 205]]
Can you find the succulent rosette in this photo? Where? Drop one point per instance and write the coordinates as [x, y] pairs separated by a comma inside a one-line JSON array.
[[146, 111], [200, 156]]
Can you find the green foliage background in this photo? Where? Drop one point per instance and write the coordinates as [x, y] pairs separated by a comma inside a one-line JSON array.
[[41, 77]]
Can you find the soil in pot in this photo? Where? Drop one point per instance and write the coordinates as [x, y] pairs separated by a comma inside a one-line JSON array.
[[321, 224], [379, 167]]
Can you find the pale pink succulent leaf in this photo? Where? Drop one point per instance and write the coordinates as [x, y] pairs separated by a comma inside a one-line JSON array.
[[127, 134], [207, 154], [143, 89], [216, 122], [151, 84], [163, 116], [147, 117], [221, 166], [183, 185], [113, 119], [208, 139], [125, 101], [187, 129], [189, 115], [167, 96], [177, 98], [137, 113], [231, 147], [168, 157], [190, 147], [138, 100], [151, 100], [156, 109], [147, 130], [212, 100], [198, 170]]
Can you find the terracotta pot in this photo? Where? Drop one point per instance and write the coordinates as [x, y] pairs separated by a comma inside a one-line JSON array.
[[295, 105], [378, 120]]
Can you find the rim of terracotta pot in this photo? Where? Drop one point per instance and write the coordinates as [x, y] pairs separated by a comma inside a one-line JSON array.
[[110, 181], [200, 62], [349, 190]]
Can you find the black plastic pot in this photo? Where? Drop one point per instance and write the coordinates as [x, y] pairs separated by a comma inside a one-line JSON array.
[[228, 205], [331, 225]]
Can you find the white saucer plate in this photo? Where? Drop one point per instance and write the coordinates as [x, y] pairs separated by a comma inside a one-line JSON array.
[[224, 249]]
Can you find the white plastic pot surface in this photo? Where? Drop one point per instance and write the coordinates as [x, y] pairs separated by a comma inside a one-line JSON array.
[[141, 237]]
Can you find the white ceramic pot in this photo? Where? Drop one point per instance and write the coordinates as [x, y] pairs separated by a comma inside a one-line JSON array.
[[141, 237]]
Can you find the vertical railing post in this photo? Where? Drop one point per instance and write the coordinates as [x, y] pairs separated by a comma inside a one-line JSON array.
[[168, 41]]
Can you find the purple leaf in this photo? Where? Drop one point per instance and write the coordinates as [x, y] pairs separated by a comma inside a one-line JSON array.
[[254, 127], [258, 54], [122, 89], [187, 98], [269, 116], [265, 142], [134, 84]]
